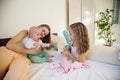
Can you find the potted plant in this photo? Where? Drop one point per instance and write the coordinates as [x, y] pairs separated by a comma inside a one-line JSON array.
[[104, 24]]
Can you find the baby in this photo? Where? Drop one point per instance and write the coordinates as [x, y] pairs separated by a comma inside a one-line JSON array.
[[33, 41]]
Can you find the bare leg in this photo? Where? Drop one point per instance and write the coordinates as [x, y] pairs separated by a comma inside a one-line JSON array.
[[5, 61], [18, 69]]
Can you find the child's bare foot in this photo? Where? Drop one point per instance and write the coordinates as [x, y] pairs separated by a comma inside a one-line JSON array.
[[49, 60]]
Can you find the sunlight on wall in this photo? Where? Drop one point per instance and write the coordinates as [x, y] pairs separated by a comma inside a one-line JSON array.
[[97, 40], [87, 20]]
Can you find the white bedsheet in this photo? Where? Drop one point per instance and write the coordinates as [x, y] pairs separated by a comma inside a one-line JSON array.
[[98, 71]]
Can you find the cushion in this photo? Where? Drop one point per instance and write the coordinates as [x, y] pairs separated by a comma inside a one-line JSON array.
[[104, 54], [119, 56], [118, 47], [55, 39]]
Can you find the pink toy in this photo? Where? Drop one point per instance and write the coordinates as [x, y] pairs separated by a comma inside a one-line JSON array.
[[65, 66], [77, 65], [86, 65]]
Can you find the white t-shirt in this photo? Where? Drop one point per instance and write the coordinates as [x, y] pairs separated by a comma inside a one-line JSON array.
[[28, 43]]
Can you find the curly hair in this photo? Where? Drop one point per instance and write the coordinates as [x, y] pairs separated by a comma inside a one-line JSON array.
[[81, 36]]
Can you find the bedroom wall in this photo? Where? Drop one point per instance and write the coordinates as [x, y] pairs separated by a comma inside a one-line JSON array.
[[87, 11], [16, 15]]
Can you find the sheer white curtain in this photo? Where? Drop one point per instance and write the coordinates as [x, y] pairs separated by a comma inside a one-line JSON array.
[[116, 13]]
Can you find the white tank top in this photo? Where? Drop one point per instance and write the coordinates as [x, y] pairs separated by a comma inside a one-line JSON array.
[[74, 52]]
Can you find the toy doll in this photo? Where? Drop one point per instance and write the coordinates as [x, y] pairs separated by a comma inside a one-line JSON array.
[[66, 66]]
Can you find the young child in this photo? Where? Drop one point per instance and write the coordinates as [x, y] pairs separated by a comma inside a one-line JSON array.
[[34, 41], [79, 42], [79, 46]]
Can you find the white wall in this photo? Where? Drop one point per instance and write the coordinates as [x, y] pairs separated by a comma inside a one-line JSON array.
[[16, 15], [85, 11], [75, 11]]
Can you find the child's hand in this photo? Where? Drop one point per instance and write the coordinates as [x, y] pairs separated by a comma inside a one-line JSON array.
[[36, 45], [51, 45], [34, 51], [66, 53]]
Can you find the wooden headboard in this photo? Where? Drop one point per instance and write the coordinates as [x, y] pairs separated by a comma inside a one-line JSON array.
[[4, 41]]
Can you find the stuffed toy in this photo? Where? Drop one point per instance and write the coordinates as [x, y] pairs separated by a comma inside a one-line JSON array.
[[60, 46], [66, 66], [64, 46], [67, 38], [40, 58], [79, 65], [62, 67]]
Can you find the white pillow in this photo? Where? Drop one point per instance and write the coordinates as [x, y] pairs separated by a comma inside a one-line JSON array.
[[55, 39], [104, 54], [118, 56], [118, 47]]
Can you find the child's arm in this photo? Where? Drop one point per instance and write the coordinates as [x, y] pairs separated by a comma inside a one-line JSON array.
[[69, 55], [13, 44], [81, 58], [45, 44]]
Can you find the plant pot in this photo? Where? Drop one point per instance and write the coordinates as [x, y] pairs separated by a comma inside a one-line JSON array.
[[107, 45]]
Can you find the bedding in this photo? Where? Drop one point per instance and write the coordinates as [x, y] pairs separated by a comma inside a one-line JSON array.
[[104, 54], [118, 47], [101, 59], [97, 71]]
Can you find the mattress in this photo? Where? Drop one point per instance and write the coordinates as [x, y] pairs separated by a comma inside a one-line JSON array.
[[97, 71]]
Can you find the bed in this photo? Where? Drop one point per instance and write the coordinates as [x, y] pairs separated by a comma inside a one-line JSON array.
[[103, 61], [98, 71]]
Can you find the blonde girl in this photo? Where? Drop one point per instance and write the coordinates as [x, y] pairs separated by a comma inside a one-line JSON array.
[[80, 42]]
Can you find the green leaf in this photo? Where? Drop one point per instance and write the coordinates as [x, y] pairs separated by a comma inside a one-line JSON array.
[[104, 25]]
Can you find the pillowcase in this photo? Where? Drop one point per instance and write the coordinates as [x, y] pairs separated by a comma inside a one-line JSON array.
[[55, 39], [104, 54], [118, 47], [118, 56]]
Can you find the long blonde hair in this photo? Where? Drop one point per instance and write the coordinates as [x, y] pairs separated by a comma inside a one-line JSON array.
[[81, 36]]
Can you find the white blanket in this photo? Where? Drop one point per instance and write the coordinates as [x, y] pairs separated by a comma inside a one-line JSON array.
[[98, 71]]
